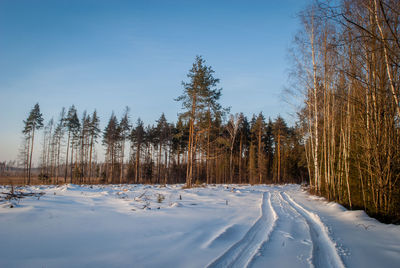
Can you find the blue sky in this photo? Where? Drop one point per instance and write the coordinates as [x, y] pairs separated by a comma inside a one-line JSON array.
[[106, 55]]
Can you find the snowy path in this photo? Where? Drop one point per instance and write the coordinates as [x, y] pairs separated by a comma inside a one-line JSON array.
[[324, 250], [291, 238], [284, 228], [240, 254]]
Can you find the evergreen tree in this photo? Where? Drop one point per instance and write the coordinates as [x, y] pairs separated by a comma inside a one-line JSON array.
[[73, 126], [94, 132], [280, 132], [124, 129], [111, 136], [269, 149], [180, 135], [252, 164], [80, 169], [163, 134], [232, 127], [150, 141], [137, 138], [258, 129], [200, 94], [57, 137], [32, 123], [46, 148], [244, 143]]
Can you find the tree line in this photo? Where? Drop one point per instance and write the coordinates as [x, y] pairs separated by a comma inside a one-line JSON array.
[[346, 67], [205, 145]]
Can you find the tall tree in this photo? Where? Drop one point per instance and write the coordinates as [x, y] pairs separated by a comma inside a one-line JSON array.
[[111, 135], [75, 126], [280, 132], [58, 136], [244, 143], [179, 137], [258, 129], [137, 138], [94, 132], [163, 133], [32, 123], [72, 124], [46, 149], [199, 94], [232, 127], [124, 129]]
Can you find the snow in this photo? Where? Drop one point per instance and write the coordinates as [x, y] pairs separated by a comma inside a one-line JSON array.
[[241, 253], [215, 226]]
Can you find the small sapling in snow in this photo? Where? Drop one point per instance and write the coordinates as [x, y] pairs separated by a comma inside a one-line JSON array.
[[160, 198]]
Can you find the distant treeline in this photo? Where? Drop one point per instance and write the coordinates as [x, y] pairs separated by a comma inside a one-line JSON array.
[[205, 145], [237, 151]]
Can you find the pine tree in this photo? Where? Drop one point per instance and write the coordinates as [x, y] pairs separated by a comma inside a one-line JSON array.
[[244, 143], [94, 132], [252, 163], [124, 129], [179, 137], [258, 129], [150, 142], [110, 138], [72, 124], [84, 145], [200, 94], [32, 123], [280, 132], [57, 137], [232, 127], [163, 134], [46, 150], [269, 149], [137, 138]]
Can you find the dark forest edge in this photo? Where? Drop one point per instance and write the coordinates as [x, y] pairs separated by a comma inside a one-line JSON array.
[[346, 69], [345, 145]]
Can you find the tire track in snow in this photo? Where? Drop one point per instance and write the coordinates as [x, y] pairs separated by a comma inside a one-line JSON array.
[[241, 253], [324, 252], [290, 236]]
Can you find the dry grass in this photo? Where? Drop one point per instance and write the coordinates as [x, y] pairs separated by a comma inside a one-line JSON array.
[[35, 181]]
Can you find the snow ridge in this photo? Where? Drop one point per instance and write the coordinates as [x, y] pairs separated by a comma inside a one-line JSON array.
[[324, 249], [290, 238], [241, 253]]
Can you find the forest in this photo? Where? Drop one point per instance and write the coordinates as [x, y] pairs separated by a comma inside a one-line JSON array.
[[345, 144], [205, 145], [346, 70]]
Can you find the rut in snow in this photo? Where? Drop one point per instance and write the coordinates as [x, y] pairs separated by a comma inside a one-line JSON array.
[[324, 252], [241, 253], [290, 238]]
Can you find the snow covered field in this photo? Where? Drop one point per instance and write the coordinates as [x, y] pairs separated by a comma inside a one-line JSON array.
[[216, 226]]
